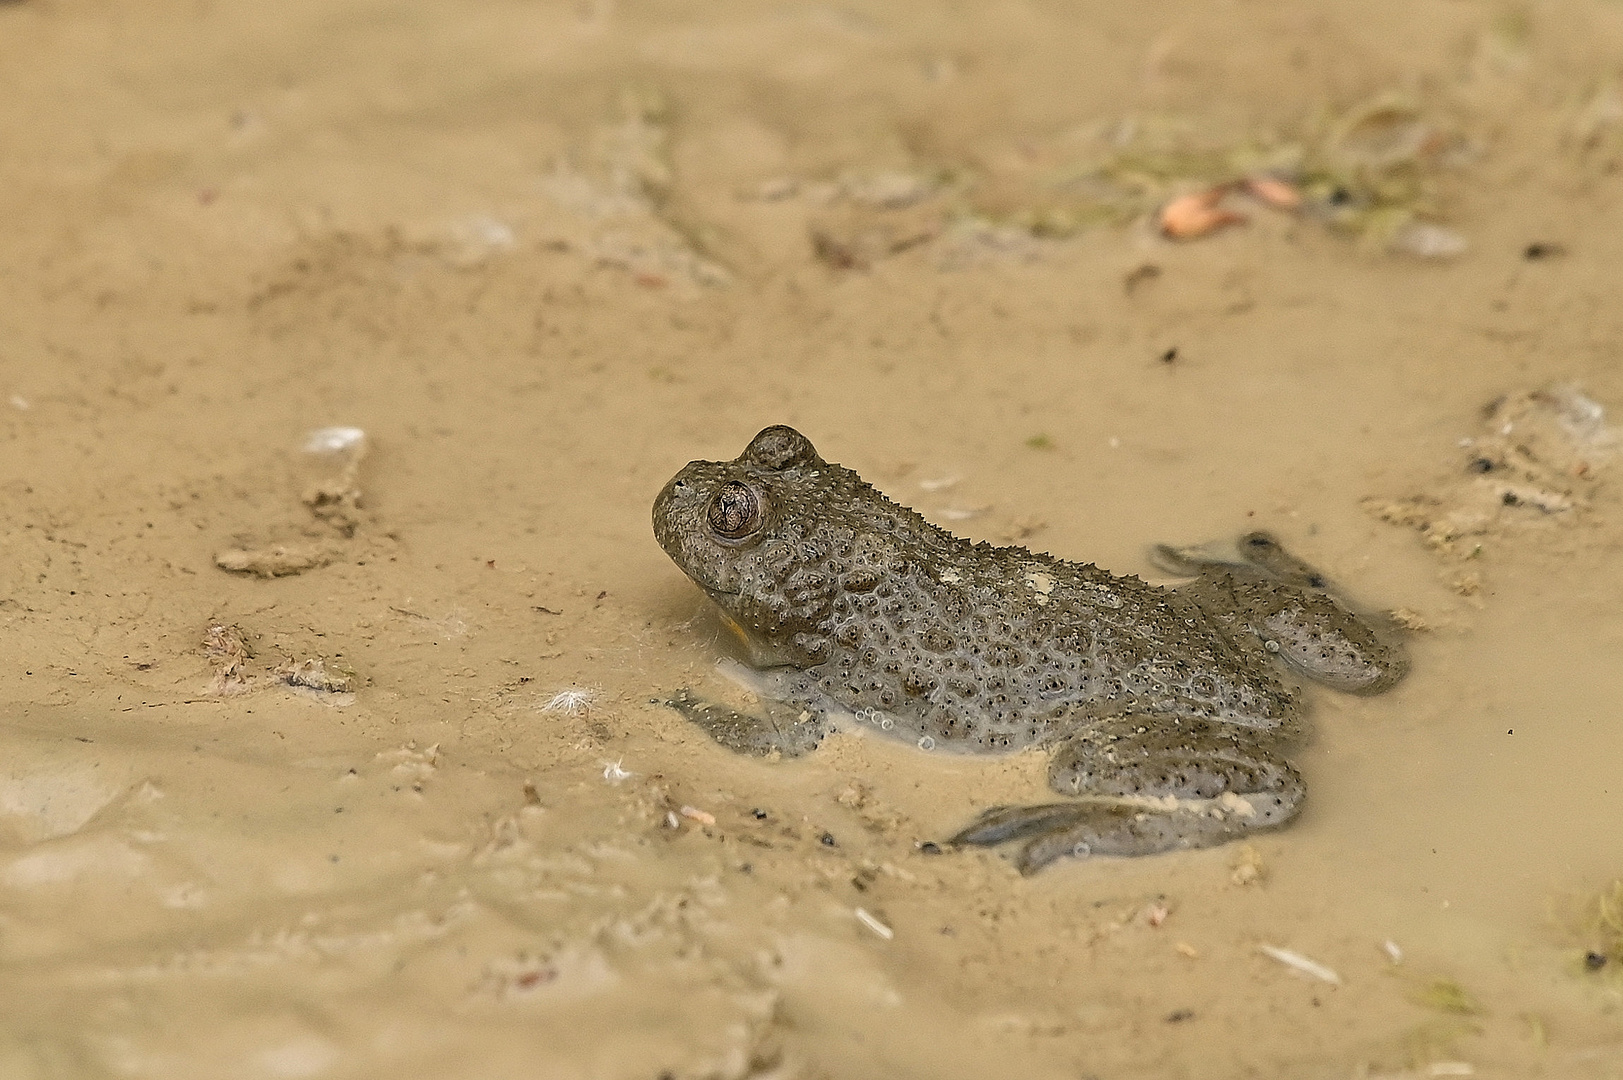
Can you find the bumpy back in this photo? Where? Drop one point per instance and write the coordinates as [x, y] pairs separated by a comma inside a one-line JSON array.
[[955, 641]]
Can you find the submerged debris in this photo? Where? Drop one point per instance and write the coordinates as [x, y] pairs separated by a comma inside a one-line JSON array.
[[1534, 465], [1194, 215], [1428, 241], [313, 675], [874, 924], [1274, 192], [1446, 995], [1372, 171], [1297, 962], [616, 201], [226, 649], [336, 500], [575, 701], [693, 813], [1248, 867], [854, 237], [1595, 922], [279, 560]]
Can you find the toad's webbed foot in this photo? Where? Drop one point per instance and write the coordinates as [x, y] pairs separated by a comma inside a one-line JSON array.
[[1265, 590], [780, 728], [1147, 785]]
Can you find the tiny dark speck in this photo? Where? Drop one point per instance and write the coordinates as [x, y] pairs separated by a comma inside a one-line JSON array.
[[1481, 465], [929, 847], [1180, 1016], [828, 839], [1594, 961], [1170, 356], [758, 814], [1510, 498], [332, 858]]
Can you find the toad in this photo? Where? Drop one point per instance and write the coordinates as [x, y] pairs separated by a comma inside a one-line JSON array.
[[1162, 708]]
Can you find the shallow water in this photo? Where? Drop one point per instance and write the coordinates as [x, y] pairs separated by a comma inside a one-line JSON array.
[[526, 249]]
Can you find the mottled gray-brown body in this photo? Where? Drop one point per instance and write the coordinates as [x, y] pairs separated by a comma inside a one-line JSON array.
[[1162, 705]]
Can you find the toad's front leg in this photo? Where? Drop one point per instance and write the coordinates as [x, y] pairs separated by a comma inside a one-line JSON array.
[[779, 727]]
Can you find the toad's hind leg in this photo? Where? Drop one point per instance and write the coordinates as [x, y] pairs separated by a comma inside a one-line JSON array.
[[1146, 785], [1264, 590]]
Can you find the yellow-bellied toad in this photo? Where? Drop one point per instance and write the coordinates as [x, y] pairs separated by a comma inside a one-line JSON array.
[[1161, 705]]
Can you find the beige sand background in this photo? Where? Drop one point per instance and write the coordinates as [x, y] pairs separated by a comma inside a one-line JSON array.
[[545, 253]]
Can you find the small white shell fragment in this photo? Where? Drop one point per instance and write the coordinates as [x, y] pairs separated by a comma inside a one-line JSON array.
[[613, 773], [1450, 1068], [1392, 951], [874, 924], [939, 484], [333, 440], [1298, 962]]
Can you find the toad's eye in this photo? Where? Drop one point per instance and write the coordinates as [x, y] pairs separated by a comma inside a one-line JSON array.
[[735, 512]]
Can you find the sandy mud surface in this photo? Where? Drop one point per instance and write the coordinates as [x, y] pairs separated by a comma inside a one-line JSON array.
[[339, 753]]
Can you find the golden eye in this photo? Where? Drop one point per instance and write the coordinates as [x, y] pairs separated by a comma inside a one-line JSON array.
[[735, 512]]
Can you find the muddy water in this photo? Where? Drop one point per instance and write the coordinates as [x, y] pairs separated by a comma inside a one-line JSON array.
[[545, 254]]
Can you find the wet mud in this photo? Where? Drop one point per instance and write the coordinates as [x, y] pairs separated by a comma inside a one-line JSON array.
[[334, 758]]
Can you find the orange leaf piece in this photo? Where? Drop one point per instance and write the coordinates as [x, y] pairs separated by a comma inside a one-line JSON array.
[[1189, 216], [1277, 193]]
